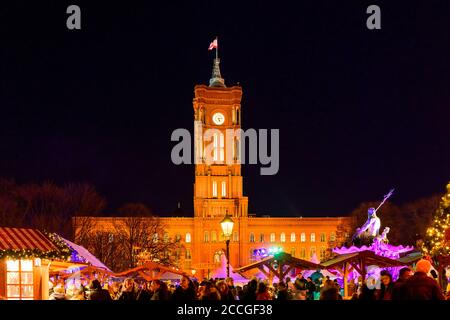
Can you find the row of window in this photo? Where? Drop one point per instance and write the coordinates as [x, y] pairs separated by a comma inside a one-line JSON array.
[[272, 237], [293, 237], [213, 238], [214, 189]]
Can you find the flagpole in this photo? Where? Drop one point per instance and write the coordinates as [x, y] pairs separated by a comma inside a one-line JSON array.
[[217, 48]]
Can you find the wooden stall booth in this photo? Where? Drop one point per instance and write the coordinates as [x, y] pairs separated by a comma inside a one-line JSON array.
[[26, 258]]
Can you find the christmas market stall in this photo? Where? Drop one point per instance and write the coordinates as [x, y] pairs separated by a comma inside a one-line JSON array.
[[358, 262], [27, 256], [90, 268], [152, 271], [278, 265]]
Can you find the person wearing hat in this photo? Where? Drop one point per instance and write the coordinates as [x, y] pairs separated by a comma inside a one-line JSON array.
[[420, 286]]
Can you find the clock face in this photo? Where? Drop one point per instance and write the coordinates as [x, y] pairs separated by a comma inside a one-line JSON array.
[[218, 118]]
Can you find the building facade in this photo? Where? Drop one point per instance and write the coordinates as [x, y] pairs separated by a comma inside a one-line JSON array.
[[218, 190]]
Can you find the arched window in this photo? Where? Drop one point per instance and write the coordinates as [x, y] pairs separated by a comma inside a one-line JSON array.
[[293, 252], [302, 237], [206, 236], [188, 237], [272, 237], [293, 237], [213, 236], [313, 237], [252, 237], [261, 237], [217, 256], [303, 253], [323, 251], [332, 236], [235, 236], [282, 237], [322, 237]]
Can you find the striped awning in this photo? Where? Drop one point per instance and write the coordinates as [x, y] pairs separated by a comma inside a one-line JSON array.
[[22, 239]]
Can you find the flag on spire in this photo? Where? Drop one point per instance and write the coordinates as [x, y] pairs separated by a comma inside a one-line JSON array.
[[213, 44]]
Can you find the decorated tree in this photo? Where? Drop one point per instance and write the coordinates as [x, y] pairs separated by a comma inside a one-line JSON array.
[[437, 239]]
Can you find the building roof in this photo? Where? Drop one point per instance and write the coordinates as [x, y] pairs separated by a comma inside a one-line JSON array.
[[24, 239]]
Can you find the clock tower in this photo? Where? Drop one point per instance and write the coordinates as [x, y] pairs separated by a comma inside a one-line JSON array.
[[218, 181]]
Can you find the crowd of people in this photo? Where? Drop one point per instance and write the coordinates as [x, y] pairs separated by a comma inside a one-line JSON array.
[[410, 285]]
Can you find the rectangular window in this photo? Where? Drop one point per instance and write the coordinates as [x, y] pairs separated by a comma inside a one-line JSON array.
[[261, 237], [215, 147], [214, 189], [272, 237], [313, 237], [206, 236], [293, 237], [224, 189], [322, 237], [213, 236], [19, 280], [235, 236], [252, 237], [188, 254], [312, 251], [332, 236], [222, 148], [303, 237]]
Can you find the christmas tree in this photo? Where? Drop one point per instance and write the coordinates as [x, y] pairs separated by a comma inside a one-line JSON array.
[[437, 239]]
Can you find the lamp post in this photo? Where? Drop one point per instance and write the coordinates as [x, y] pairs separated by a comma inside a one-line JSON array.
[[227, 228]]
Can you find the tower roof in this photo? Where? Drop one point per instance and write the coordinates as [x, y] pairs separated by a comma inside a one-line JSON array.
[[216, 78]]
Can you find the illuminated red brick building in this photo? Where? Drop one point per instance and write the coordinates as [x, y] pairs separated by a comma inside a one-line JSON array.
[[218, 190]]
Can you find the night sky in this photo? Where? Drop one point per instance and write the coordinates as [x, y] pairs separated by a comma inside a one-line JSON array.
[[359, 111]]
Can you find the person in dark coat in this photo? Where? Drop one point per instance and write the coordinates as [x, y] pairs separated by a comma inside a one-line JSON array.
[[329, 291], [387, 286], [404, 274], [282, 293], [185, 291], [127, 292], [160, 290], [145, 294], [96, 292], [311, 287], [249, 293], [420, 286]]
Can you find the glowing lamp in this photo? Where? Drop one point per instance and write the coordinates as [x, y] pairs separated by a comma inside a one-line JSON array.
[[227, 226]]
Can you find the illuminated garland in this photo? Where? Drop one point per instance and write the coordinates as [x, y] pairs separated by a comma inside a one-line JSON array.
[[63, 251], [437, 239]]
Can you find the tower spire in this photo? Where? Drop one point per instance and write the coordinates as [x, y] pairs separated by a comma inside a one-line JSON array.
[[216, 78]]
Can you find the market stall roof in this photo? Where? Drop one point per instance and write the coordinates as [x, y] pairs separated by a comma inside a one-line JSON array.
[[274, 266], [24, 239], [85, 255], [411, 258], [151, 271], [366, 257], [284, 258]]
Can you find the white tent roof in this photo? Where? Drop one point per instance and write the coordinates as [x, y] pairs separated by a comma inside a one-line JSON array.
[[86, 255]]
